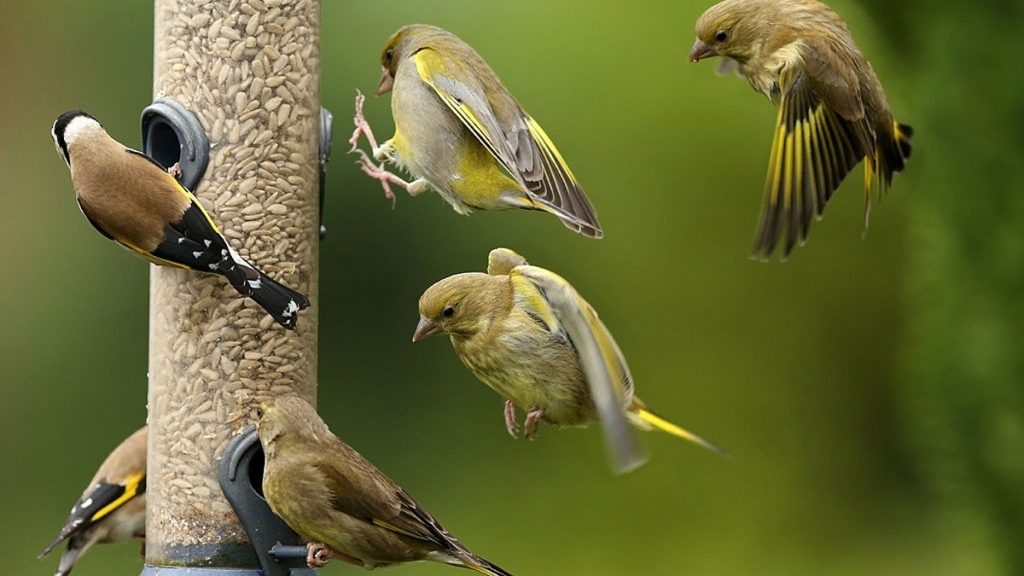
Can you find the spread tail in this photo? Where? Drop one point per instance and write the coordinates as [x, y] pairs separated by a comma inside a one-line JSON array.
[[644, 419]]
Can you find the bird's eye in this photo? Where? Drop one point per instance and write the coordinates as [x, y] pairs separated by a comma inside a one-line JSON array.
[[721, 36], [448, 312], [259, 412], [388, 54]]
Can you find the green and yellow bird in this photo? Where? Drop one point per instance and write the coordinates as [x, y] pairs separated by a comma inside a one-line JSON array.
[[460, 131], [113, 506], [528, 334], [832, 110], [340, 503]]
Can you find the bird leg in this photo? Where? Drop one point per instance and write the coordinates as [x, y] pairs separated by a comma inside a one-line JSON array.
[[317, 554], [530, 424], [510, 418], [380, 153], [175, 171]]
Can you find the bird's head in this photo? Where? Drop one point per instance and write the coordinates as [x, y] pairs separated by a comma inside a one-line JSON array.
[[69, 128], [462, 305], [400, 46], [730, 29], [284, 418]]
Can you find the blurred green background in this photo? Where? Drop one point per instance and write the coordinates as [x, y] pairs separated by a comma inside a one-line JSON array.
[[872, 390]]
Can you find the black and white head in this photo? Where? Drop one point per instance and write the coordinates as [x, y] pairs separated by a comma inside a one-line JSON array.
[[69, 127]]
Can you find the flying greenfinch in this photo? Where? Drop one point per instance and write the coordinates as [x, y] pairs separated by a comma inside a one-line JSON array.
[[832, 110], [341, 503], [460, 131], [113, 506], [528, 334]]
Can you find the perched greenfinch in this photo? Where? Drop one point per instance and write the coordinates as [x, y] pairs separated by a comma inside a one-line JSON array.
[[832, 109], [113, 506], [460, 131], [528, 334], [341, 503], [131, 199]]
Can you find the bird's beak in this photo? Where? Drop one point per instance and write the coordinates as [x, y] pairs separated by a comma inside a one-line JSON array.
[[700, 51], [387, 81], [426, 327]]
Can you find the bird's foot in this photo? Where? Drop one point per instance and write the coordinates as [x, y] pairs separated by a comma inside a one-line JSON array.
[[530, 424], [175, 171], [317, 554], [510, 419], [377, 172]]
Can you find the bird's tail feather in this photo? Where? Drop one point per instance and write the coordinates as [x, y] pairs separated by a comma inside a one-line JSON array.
[[68, 559], [890, 157], [474, 562], [644, 419], [278, 300]]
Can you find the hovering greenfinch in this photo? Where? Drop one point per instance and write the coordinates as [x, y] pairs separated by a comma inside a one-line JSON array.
[[832, 110], [460, 131], [113, 506], [341, 503], [526, 333]]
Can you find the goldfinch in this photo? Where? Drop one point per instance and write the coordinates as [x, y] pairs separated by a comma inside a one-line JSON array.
[[112, 508], [341, 503], [135, 202], [528, 334], [832, 110], [460, 131]]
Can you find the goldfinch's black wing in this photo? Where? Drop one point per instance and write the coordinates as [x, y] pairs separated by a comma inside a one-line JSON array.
[[550, 298], [821, 134], [512, 136], [99, 502]]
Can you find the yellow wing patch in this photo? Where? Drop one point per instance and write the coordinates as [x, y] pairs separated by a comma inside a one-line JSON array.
[[428, 61], [131, 489]]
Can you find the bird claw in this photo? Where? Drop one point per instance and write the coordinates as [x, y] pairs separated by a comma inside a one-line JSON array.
[[362, 126], [317, 554], [510, 419], [530, 424], [377, 172], [175, 171]]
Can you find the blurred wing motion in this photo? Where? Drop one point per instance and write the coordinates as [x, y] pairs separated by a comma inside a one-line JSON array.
[[513, 138], [604, 367]]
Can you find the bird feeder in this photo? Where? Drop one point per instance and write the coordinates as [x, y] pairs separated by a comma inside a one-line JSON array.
[[246, 73]]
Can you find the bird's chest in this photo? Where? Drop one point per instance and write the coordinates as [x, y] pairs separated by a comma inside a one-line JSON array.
[[533, 369]]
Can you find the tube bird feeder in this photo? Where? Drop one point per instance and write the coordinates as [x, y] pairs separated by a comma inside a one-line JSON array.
[[249, 71]]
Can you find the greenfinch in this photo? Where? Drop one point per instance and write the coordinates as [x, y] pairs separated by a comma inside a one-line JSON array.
[[832, 110], [460, 131], [131, 199], [341, 503], [113, 506], [528, 334]]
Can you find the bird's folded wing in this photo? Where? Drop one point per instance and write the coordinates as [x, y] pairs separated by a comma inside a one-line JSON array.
[[99, 502], [515, 139]]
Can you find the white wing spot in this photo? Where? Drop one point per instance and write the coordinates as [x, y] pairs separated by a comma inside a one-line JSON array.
[[214, 266], [196, 255], [207, 242], [87, 502], [180, 240]]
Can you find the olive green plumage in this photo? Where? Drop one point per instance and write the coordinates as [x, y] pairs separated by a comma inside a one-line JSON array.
[[515, 328], [832, 109], [458, 129], [340, 502]]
